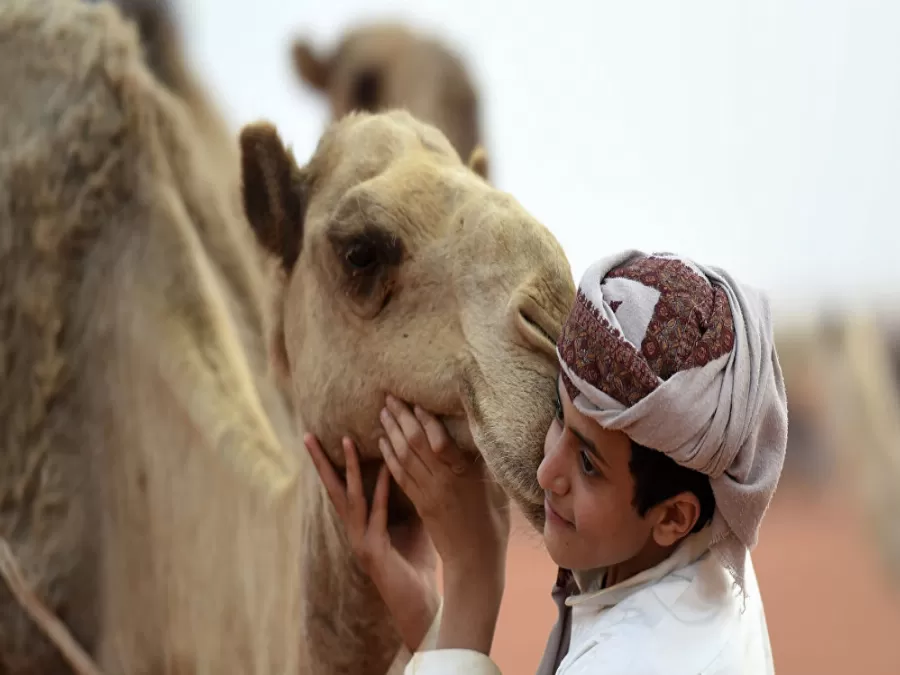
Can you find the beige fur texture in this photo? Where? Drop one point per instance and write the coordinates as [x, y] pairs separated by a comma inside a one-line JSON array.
[[153, 484], [382, 66], [162, 44]]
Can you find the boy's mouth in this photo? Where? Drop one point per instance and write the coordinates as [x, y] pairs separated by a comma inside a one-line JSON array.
[[554, 517]]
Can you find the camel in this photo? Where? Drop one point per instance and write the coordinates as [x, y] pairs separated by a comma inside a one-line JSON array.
[[857, 359], [162, 45], [379, 66], [156, 497], [845, 414]]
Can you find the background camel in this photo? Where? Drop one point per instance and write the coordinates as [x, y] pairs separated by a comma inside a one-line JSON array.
[[138, 409], [853, 402], [381, 66]]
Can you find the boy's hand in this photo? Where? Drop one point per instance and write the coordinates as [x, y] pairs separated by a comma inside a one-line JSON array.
[[465, 512], [403, 571], [467, 516]]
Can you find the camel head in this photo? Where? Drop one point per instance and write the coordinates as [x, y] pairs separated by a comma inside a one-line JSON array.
[[405, 272], [380, 67]]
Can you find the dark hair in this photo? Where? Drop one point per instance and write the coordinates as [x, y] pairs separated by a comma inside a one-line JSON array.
[[658, 477]]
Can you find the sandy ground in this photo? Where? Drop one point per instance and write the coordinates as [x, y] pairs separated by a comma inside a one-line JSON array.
[[828, 603]]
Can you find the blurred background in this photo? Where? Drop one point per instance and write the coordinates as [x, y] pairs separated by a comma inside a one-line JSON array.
[[761, 136]]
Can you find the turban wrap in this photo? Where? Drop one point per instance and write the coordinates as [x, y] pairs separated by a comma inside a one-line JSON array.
[[681, 358]]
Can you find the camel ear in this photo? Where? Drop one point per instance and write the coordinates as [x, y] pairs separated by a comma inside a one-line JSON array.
[[274, 191], [311, 69], [478, 161]]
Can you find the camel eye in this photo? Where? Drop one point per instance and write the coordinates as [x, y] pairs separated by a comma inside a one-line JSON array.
[[368, 259], [361, 255], [365, 256]]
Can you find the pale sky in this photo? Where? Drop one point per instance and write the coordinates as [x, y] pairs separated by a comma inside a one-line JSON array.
[[761, 136]]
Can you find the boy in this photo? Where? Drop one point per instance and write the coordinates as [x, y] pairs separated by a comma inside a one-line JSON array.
[[667, 447]]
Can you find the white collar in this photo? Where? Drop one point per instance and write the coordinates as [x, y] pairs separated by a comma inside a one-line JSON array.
[[689, 550]]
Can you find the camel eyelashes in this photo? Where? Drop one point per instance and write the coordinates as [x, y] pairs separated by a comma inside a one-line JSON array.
[[362, 251], [368, 257]]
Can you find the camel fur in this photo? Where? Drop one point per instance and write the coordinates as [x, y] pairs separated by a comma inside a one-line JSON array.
[[162, 45], [155, 493], [381, 66]]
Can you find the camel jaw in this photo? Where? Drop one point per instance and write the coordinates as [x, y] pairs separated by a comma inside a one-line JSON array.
[[459, 430], [529, 502]]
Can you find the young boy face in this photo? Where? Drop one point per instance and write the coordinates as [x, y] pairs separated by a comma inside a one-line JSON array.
[[588, 488], [591, 519]]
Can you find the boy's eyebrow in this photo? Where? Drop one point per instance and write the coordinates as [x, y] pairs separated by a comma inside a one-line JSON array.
[[581, 437], [590, 446]]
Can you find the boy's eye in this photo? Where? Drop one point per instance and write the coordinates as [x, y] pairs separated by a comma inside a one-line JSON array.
[[559, 409], [586, 464]]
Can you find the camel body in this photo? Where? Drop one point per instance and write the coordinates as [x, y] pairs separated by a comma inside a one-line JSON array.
[[157, 376]]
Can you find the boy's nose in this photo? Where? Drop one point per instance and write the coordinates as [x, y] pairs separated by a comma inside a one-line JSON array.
[[551, 473]]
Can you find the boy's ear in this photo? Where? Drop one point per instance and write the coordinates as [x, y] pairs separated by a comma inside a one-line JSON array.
[[674, 518], [274, 191], [478, 161], [312, 69]]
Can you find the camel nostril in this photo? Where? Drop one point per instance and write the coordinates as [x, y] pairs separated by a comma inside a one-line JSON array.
[[535, 333], [537, 324]]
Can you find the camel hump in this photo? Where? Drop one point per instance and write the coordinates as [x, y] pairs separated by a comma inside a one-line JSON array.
[[159, 37], [64, 148], [161, 41]]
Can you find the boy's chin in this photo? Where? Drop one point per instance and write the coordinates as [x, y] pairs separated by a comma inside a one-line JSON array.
[[560, 550], [567, 554]]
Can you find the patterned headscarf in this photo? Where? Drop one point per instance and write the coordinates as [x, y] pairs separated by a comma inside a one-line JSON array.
[[681, 358]]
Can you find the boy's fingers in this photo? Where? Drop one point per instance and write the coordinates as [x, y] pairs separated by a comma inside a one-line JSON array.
[[405, 455], [330, 479], [356, 500], [404, 481], [379, 517], [442, 445], [410, 426], [434, 430]]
